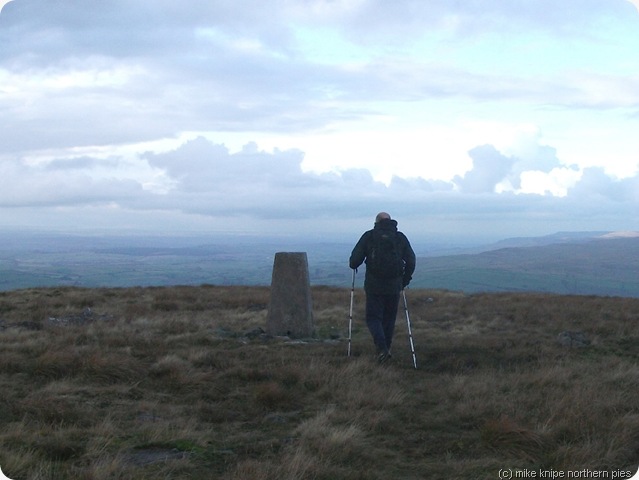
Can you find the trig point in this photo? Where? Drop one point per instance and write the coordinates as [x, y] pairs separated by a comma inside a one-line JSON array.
[[291, 309]]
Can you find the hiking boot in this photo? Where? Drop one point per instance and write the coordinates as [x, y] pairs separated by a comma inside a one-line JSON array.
[[383, 357]]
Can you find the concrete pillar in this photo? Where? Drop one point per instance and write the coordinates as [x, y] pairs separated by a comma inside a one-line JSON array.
[[291, 309]]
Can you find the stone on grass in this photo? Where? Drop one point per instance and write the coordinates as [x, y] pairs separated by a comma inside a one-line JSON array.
[[573, 339], [290, 311]]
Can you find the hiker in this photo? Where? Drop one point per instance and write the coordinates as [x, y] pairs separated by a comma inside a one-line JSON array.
[[390, 263]]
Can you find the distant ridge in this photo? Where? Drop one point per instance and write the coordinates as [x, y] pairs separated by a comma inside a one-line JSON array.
[[559, 237], [598, 264]]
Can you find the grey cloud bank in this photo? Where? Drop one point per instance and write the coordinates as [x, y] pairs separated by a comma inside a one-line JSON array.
[[80, 82], [253, 190]]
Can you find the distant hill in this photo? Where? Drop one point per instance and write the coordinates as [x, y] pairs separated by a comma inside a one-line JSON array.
[[601, 264], [559, 237], [591, 263]]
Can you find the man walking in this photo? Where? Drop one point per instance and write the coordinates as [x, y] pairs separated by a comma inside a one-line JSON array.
[[390, 263]]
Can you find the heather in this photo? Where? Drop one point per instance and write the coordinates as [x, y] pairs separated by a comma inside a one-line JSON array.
[[183, 382]]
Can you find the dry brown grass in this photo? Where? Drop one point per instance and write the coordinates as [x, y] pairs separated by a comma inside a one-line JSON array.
[[174, 383]]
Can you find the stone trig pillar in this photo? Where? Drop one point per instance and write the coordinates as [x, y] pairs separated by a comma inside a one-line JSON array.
[[291, 309]]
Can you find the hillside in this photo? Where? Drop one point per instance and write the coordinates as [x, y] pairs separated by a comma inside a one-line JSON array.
[[182, 382], [602, 266]]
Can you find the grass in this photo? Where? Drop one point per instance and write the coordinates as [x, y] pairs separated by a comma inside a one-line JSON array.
[[177, 382]]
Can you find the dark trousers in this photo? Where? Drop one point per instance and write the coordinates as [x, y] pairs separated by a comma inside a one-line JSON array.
[[381, 312]]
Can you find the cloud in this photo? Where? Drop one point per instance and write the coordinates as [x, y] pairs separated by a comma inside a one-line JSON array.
[[52, 186], [535, 169], [373, 21], [123, 72], [200, 165], [80, 163], [208, 186], [363, 88], [595, 183], [210, 180], [635, 3], [489, 168]]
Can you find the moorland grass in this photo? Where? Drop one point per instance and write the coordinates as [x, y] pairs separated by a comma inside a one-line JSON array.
[[178, 382]]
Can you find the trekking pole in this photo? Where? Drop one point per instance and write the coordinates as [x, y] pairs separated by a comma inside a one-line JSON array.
[[350, 315], [410, 333]]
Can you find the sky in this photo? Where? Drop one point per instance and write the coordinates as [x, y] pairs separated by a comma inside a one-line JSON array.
[[461, 118]]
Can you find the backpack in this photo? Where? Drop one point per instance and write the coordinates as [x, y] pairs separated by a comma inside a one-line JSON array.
[[384, 259]]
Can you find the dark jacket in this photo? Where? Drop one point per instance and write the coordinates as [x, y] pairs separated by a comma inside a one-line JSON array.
[[375, 285]]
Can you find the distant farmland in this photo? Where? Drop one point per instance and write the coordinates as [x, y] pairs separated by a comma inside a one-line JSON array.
[[587, 267]]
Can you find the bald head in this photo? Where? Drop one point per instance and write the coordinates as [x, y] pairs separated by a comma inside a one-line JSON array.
[[382, 216]]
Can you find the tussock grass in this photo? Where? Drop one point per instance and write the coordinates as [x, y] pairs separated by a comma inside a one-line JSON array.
[[177, 382]]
